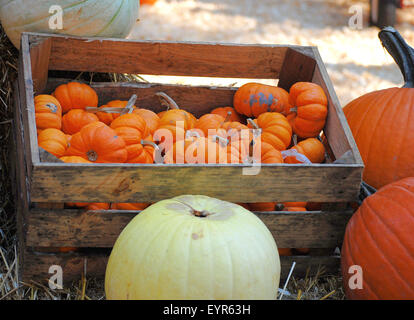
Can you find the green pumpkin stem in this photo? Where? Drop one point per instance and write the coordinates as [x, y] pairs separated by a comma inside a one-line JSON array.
[[401, 52]]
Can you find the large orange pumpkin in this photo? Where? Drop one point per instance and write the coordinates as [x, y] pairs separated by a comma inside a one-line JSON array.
[[379, 238], [75, 95], [98, 143], [382, 122], [253, 99]]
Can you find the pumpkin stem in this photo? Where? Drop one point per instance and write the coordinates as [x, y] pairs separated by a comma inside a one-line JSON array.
[[106, 109], [227, 119], [200, 214], [130, 105], [92, 155], [293, 109], [295, 139], [191, 134], [253, 124], [365, 191], [279, 207], [223, 141], [401, 52], [256, 127], [146, 142], [166, 100]]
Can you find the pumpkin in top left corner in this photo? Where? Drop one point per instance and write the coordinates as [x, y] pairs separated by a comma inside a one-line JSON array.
[[103, 18]]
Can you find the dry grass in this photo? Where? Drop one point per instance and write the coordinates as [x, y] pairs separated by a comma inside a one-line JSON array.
[[11, 288]]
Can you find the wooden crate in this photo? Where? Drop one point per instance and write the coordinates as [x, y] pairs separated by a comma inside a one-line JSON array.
[[43, 185]]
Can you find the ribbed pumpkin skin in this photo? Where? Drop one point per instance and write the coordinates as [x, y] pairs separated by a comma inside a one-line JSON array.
[[252, 99], [166, 252], [379, 237], [104, 18], [382, 123]]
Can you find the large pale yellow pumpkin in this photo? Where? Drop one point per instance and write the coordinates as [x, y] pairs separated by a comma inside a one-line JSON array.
[[194, 247], [104, 18]]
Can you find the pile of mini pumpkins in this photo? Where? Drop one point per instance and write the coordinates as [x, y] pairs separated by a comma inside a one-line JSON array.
[[72, 127]]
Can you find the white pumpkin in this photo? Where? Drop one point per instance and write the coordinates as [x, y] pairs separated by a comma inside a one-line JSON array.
[[193, 247], [104, 18]]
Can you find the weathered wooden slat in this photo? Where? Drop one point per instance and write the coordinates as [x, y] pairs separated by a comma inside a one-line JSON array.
[[39, 59], [196, 99], [21, 195], [80, 228], [73, 264], [337, 131], [296, 67], [167, 58], [151, 182], [27, 108]]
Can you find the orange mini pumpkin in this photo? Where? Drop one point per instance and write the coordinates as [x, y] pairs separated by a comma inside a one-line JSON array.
[[175, 120], [53, 141], [75, 95], [209, 121], [142, 152], [99, 143], [308, 111], [226, 111], [48, 112], [312, 148], [74, 159], [202, 150], [151, 119], [253, 99], [130, 206], [108, 117], [275, 129], [132, 127], [76, 119], [262, 206]]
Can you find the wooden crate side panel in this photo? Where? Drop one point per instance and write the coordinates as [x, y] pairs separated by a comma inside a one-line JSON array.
[[80, 228], [198, 100], [21, 180], [27, 108], [152, 182], [296, 67], [74, 264], [167, 58], [39, 60], [336, 129]]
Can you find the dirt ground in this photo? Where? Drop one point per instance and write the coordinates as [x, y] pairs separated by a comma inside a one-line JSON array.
[[355, 59]]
